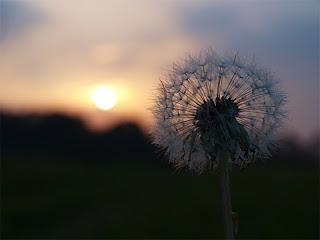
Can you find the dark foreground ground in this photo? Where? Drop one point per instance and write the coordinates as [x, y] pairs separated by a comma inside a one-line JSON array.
[[45, 198], [60, 181]]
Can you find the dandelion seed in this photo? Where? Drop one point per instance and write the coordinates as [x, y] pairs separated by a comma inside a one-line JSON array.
[[219, 112]]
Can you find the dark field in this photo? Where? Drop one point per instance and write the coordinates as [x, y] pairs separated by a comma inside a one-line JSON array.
[[43, 198], [60, 181]]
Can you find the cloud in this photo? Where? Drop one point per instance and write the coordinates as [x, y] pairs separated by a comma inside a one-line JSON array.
[[17, 17], [241, 23]]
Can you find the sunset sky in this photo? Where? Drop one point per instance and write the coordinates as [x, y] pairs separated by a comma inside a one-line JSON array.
[[54, 54]]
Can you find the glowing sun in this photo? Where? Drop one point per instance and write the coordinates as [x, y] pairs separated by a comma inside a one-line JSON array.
[[104, 98]]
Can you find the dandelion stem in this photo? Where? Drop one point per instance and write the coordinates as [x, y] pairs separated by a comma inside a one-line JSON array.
[[225, 196]]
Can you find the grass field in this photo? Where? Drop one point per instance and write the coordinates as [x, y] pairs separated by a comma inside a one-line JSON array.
[[50, 199]]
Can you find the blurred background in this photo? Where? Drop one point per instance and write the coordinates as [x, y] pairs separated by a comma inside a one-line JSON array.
[[77, 79]]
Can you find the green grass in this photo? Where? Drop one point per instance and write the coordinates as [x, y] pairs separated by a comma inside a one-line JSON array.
[[48, 199]]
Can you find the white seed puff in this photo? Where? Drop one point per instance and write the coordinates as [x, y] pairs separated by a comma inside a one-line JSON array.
[[211, 103]]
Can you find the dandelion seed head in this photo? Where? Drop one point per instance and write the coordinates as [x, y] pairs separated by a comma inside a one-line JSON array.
[[213, 103]]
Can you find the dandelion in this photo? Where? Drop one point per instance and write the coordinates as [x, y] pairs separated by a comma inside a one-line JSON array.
[[213, 112]]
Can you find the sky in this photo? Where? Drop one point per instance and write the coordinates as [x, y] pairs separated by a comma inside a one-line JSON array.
[[55, 53]]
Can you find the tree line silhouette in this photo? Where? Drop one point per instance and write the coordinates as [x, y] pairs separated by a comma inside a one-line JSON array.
[[60, 135]]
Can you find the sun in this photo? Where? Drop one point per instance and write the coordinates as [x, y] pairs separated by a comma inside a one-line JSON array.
[[104, 98]]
